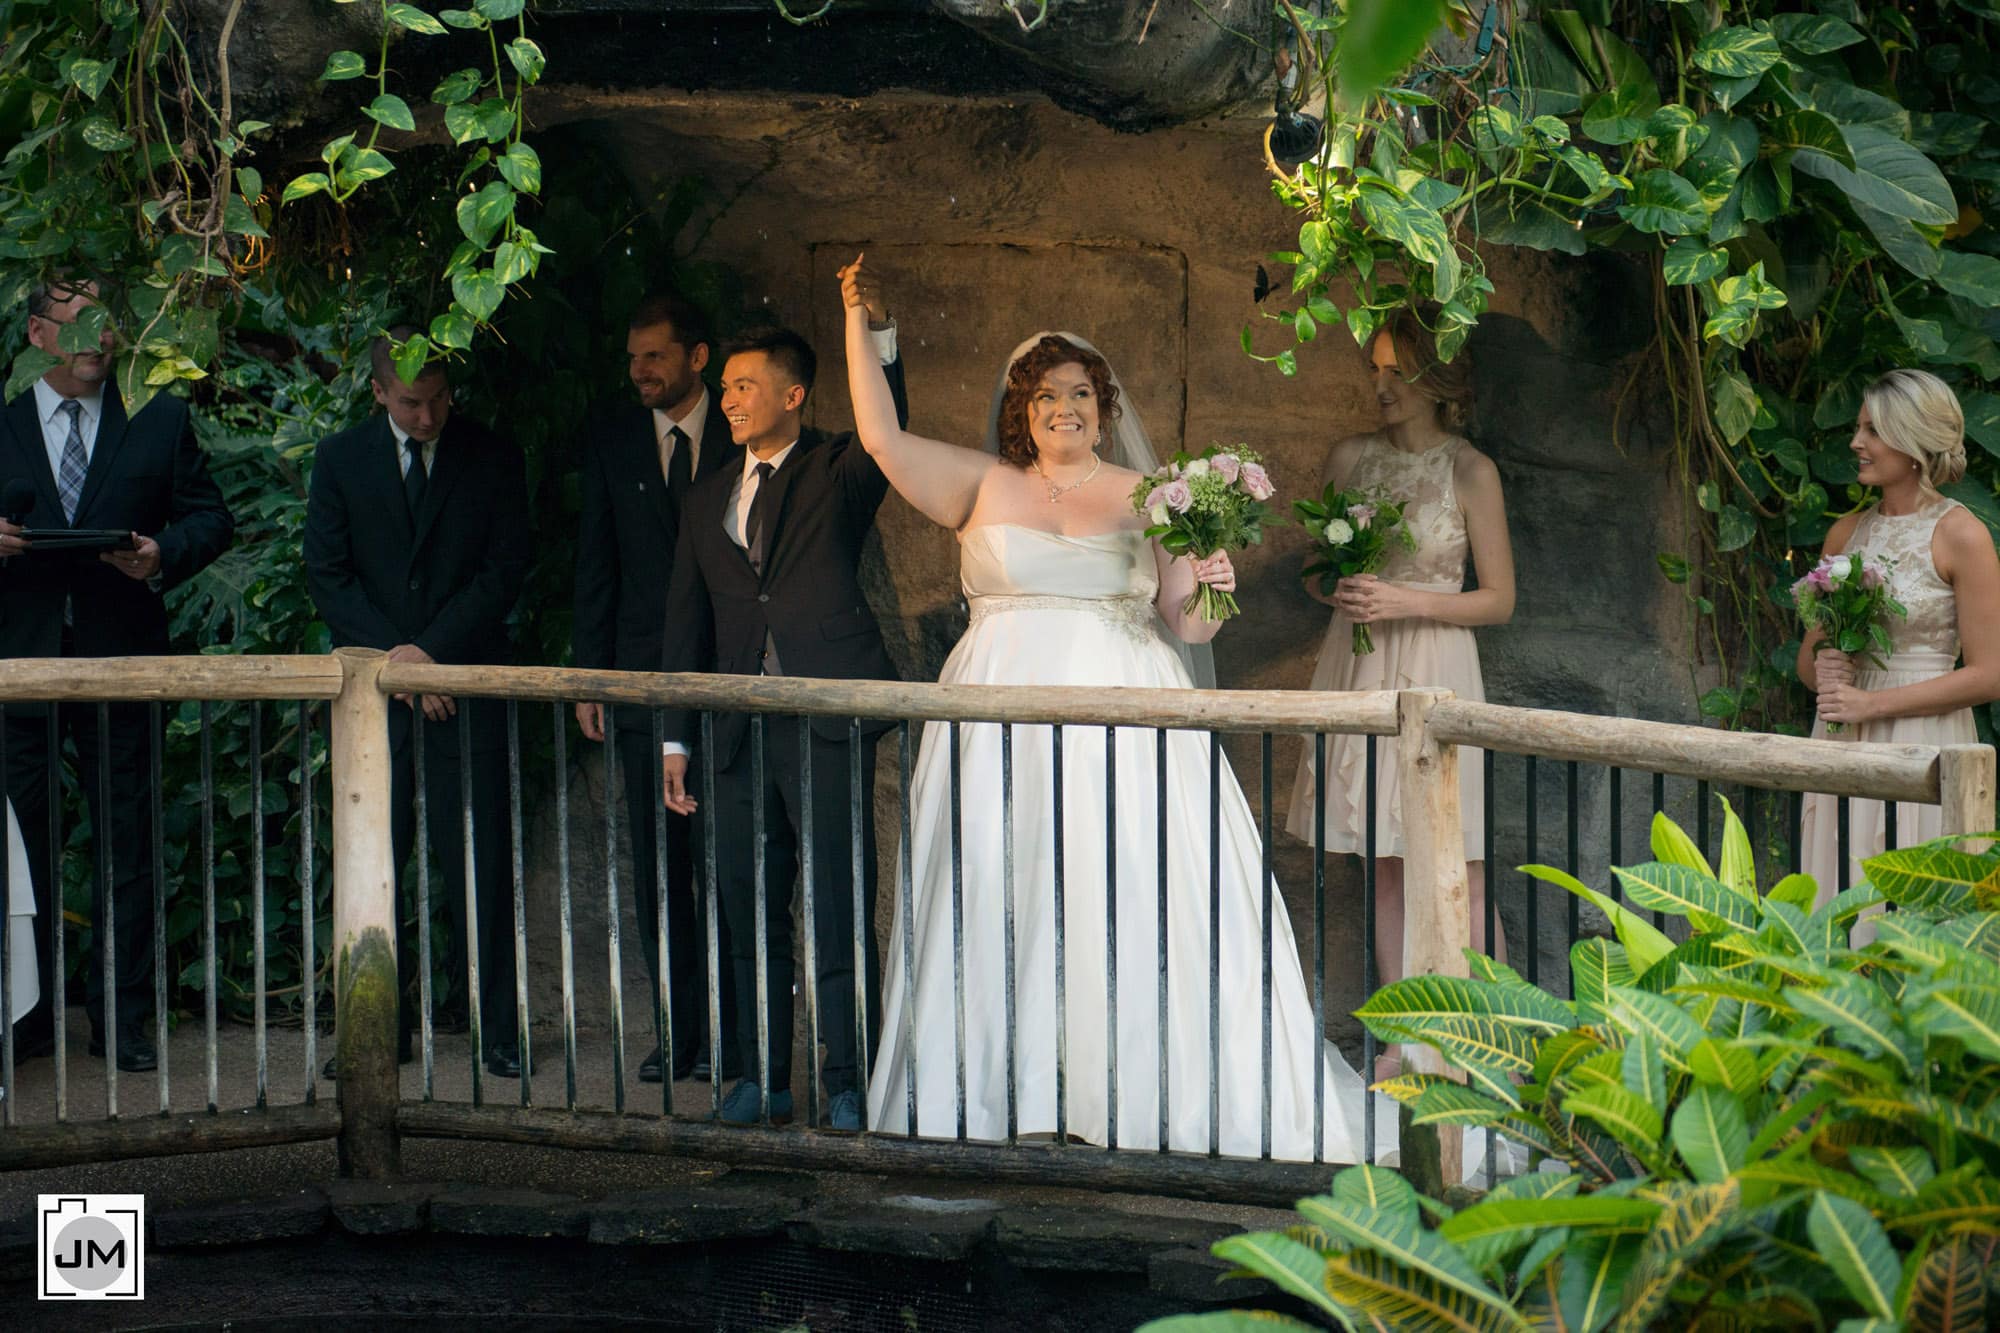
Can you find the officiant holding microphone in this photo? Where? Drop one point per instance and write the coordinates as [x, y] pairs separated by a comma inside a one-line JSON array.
[[71, 459]]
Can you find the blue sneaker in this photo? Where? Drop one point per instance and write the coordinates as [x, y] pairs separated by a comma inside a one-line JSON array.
[[744, 1105], [844, 1111]]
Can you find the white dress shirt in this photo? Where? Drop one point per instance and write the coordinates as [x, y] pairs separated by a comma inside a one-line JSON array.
[[55, 423], [430, 448]]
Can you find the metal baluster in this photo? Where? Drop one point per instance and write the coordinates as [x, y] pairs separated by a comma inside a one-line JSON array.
[[1371, 964], [1111, 936], [1701, 816], [1891, 817], [1061, 935], [1214, 945], [1319, 953], [613, 920], [1264, 796], [1796, 800], [7, 1098], [1843, 833], [809, 919], [308, 945], [761, 916], [425, 999], [257, 959], [1751, 821], [473, 913], [1659, 807], [708, 857], [1007, 921], [1616, 800], [862, 925], [905, 904], [663, 998], [1487, 880], [1572, 863], [1534, 896], [156, 740], [564, 921], [208, 968], [107, 929], [59, 1003], [1160, 869], [957, 929], [523, 1045]]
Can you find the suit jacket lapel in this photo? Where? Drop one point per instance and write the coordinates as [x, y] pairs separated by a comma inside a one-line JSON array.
[[718, 450], [25, 426], [446, 466], [783, 484], [643, 440], [104, 453]]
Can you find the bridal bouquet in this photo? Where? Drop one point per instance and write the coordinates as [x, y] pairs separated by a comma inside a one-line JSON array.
[[1352, 532], [1201, 505], [1847, 598]]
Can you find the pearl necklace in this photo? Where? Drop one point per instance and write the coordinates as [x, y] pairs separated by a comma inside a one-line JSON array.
[[1055, 491]]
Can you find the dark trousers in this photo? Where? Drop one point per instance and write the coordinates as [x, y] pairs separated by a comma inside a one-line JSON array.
[[832, 919], [128, 755], [492, 850], [687, 940]]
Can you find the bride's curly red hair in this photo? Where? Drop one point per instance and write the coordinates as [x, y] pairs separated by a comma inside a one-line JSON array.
[[1016, 445]]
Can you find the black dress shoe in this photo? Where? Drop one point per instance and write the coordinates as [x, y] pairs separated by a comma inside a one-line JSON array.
[[649, 1068], [33, 1047], [702, 1072], [135, 1054], [505, 1061]]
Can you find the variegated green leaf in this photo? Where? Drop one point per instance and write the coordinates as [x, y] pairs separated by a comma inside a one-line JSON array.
[[1411, 1002], [1739, 863], [1969, 1012], [1802, 1173], [1854, 1245], [1976, 932], [1664, 886], [1697, 1218], [1404, 1089], [1858, 1014], [1595, 966], [1830, 921], [1229, 1321], [1950, 1202], [1450, 1103], [1935, 878], [1645, 944], [1405, 1296], [1641, 1070], [1378, 1189], [1593, 1274], [1795, 889], [1900, 1172], [1295, 1269], [1674, 847], [1710, 1133], [1948, 1294], [1635, 1011], [1720, 1065], [1633, 1121], [1525, 1218], [1562, 1052], [1402, 1241]]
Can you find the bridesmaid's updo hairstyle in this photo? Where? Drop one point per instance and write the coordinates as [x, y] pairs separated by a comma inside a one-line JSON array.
[[1447, 383], [1916, 413], [1017, 446]]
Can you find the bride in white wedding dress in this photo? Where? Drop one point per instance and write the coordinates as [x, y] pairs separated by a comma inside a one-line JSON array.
[[1065, 588]]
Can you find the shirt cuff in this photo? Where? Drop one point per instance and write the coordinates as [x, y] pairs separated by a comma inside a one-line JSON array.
[[884, 339], [668, 749]]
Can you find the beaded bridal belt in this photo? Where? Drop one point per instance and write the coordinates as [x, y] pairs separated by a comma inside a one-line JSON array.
[[1131, 616]]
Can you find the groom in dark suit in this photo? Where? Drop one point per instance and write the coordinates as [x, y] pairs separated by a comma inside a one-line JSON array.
[[417, 543], [639, 461], [69, 441], [766, 581]]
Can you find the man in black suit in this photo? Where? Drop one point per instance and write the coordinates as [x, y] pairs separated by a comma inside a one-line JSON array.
[[766, 580], [639, 463], [417, 543], [91, 466]]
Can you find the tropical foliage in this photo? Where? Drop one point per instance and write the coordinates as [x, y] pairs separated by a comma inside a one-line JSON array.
[[1762, 1126], [1807, 187]]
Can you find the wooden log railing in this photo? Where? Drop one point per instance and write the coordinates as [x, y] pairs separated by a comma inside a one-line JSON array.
[[1427, 725]]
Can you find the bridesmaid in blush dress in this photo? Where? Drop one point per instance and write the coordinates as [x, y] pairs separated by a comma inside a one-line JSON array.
[[1422, 612], [1909, 440]]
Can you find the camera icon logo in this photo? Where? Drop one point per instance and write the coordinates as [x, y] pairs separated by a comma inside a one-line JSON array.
[[93, 1247]]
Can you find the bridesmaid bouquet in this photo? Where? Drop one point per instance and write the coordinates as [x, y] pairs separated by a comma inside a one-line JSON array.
[[1847, 598], [1203, 504], [1352, 533]]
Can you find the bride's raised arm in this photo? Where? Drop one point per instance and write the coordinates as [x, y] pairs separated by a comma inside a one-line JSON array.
[[941, 480]]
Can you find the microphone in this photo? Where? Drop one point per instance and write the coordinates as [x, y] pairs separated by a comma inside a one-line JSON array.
[[17, 499]]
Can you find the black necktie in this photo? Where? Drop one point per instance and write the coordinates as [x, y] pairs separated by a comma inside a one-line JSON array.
[[680, 467], [753, 534], [414, 479]]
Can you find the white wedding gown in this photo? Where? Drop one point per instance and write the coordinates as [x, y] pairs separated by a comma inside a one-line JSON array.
[[1054, 610], [17, 916]]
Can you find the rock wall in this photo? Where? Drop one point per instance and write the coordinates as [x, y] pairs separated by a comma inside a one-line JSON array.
[[992, 218]]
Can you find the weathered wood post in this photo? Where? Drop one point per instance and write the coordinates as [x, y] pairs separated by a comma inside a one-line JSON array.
[[1437, 910], [364, 921], [1965, 787]]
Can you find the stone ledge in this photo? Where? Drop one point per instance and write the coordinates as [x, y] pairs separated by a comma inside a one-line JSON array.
[[244, 1222], [382, 1207], [1097, 1240], [719, 1211], [509, 1212], [909, 1226]]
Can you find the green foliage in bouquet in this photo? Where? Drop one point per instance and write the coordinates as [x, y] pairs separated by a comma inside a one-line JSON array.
[[1762, 1126]]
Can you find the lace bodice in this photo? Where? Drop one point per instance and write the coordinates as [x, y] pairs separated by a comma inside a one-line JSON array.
[[1905, 539], [1424, 484]]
